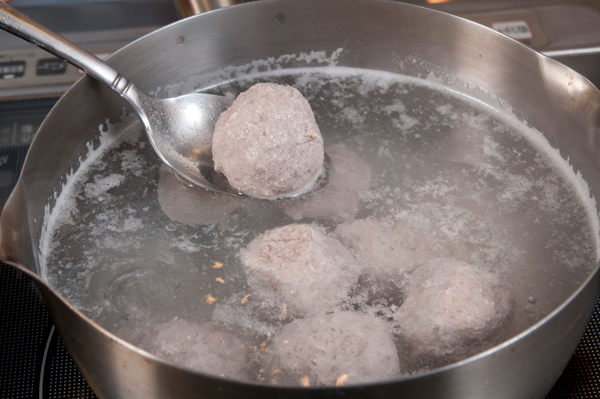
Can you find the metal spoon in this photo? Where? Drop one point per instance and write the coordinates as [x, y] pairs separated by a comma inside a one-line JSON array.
[[180, 129]]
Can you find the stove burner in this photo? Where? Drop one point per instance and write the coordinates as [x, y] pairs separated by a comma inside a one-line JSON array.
[[59, 375], [34, 361]]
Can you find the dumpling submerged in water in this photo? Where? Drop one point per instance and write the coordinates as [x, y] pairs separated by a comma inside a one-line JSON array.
[[452, 309], [301, 267], [267, 143], [339, 201], [386, 252], [190, 204], [336, 349], [195, 346]]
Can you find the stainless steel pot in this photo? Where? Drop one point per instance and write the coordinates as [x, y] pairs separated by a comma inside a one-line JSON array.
[[375, 35]]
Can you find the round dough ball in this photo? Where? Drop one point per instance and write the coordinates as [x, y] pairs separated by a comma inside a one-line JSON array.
[[344, 348], [387, 252], [267, 143], [191, 205], [339, 201], [300, 267], [452, 308], [195, 346]]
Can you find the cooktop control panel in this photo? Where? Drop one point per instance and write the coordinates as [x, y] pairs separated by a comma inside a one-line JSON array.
[[521, 25], [100, 27], [33, 72], [553, 27], [19, 121]]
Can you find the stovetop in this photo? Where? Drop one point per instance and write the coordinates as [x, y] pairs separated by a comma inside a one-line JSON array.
[[34, 362]]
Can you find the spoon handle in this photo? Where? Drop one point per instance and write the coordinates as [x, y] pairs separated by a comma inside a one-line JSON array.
[[19, 24]]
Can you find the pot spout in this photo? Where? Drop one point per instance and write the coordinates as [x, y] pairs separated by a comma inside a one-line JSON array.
[[15, 239]]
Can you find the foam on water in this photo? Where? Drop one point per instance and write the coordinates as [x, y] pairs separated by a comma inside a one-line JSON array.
[[64, 207]]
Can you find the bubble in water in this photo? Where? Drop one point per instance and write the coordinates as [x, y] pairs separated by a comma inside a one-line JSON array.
[[127, 296]]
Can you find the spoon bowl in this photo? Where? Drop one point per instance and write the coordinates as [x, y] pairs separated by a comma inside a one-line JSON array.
[[180, 129]]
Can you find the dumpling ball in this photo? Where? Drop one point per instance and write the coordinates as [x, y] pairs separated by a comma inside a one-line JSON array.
[[300, 267], [388, 252], [195, 346], [452, 308], [267, 143], [339, 201], [191, 205], [336, 349]]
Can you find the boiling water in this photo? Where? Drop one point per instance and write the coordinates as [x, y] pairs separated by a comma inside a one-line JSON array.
[[484, 188]]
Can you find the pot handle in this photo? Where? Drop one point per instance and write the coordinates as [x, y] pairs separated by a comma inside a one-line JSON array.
[[187, 8], [19, 24]]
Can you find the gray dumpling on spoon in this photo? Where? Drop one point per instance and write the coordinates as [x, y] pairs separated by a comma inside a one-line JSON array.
[[180, 129]]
